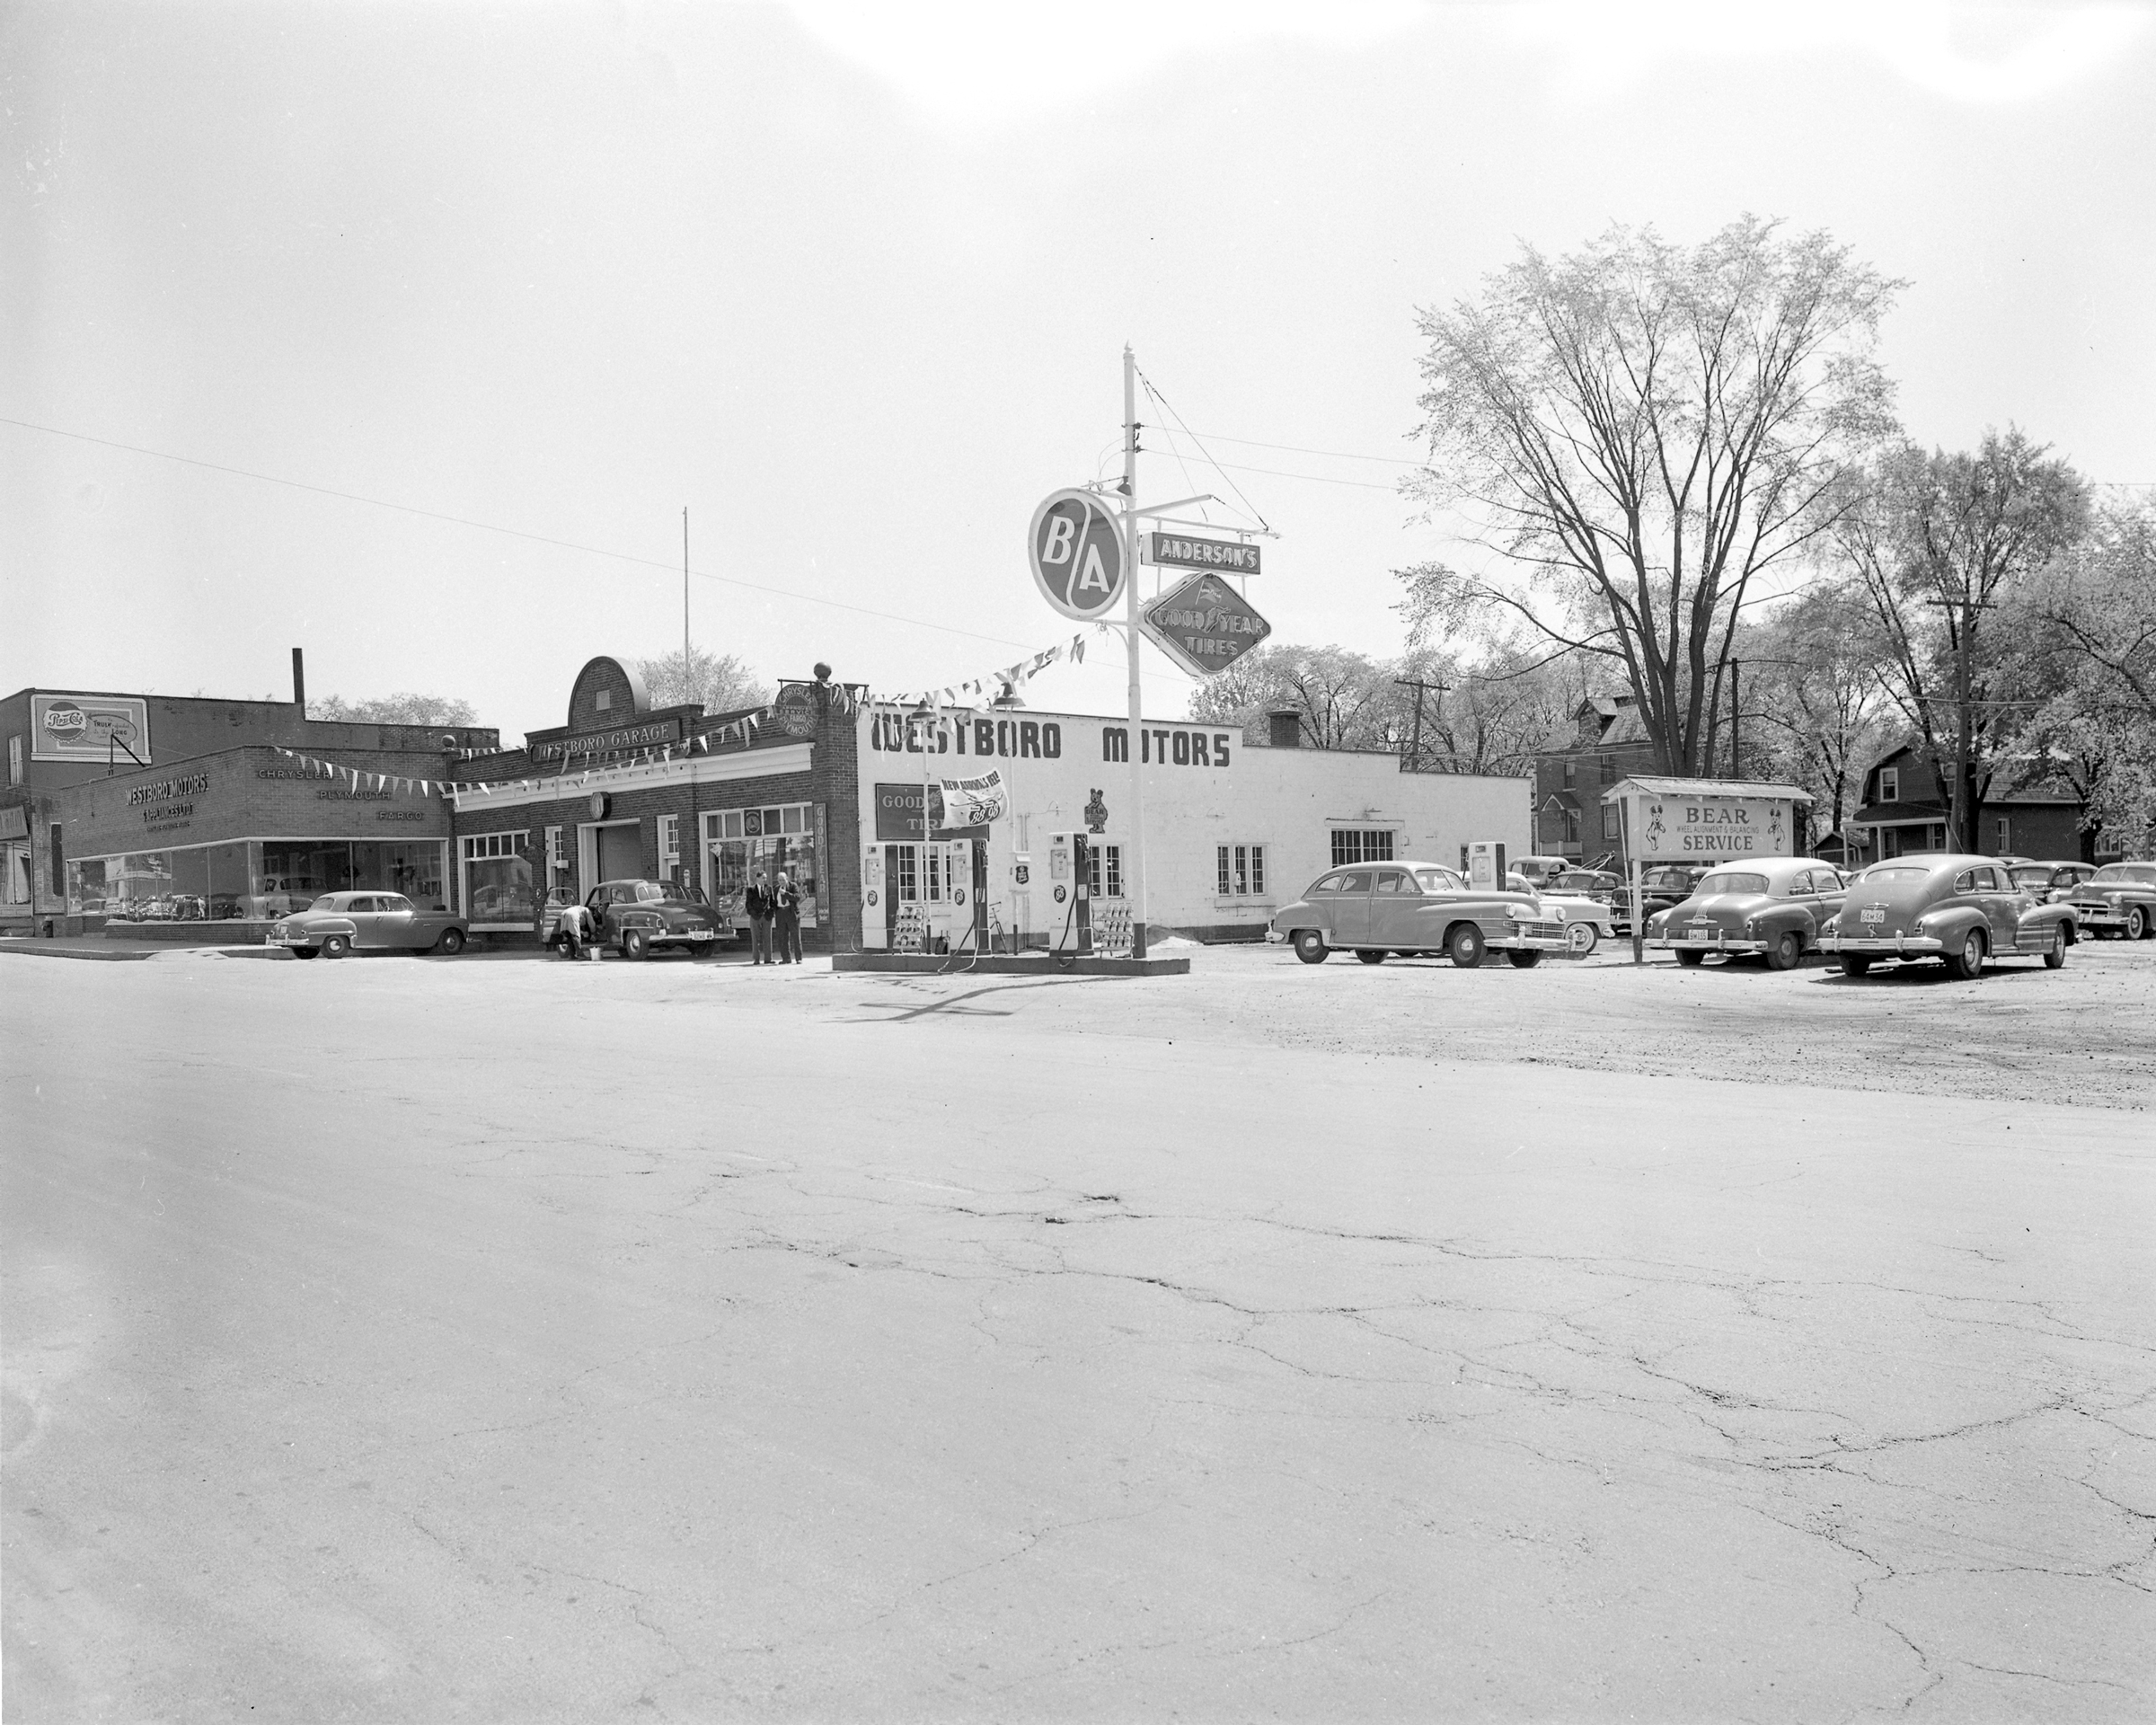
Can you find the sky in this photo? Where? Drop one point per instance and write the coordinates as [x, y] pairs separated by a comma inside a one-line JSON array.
[[405, 333]]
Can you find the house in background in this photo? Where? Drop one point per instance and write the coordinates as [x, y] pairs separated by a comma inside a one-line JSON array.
[[1904, 806], [1607, 743]]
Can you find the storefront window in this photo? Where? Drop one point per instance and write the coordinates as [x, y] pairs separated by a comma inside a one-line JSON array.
[[296, 871], [784, 839], [497, 880]]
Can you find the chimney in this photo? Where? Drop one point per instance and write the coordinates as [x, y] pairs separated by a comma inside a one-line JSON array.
[[299, 682], [1287, 729]]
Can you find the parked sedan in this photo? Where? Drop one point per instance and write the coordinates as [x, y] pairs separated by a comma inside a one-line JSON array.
[[2119, 899], [639, 916], [1416, 909], [1774, 907], [1587, 917], [1961, 909], [341, 923], [2051, 881]]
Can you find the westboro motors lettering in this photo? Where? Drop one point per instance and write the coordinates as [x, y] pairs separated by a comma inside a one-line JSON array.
[[166, 790]]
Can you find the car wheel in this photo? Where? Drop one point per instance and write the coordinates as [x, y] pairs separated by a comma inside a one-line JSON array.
[[303, 952], [1967, 964], [1524, 958], [1786, 951], [2054, 955], [1689, 958], [1465, 946], [1370, 954], [1310, 946], [634, 945], [2137, 924], [452, 942], [1855, 966], [335, 946]]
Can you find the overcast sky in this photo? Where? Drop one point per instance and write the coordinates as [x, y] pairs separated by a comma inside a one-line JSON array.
[[851, 282]]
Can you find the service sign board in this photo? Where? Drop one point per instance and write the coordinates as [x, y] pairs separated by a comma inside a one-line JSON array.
[[1075, 548], [1180, 550], [89, 728], [1205, 625], [1669, 828]]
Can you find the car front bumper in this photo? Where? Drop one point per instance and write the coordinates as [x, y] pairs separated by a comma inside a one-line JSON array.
[[1273, 937], [1532, 937], [2088, 917]]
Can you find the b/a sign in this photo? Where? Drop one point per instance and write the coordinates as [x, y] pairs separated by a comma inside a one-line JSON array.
[[1076, 552]]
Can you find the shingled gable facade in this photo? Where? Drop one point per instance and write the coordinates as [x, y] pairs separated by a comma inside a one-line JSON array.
[[627, 791], [1608, 743]]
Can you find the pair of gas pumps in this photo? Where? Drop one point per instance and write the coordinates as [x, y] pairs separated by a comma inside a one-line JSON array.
[[1069, 922]]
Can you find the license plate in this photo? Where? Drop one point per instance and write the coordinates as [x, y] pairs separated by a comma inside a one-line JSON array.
[[1875, 914]]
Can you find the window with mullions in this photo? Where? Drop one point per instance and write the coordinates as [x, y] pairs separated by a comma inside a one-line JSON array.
[[1352, 844], [905, 881], [1104, 871], [497, 878], [1240, 871]]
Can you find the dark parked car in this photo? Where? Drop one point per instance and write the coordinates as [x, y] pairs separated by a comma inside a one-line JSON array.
[[2119, 899], [640, 915], [1413, 910], [1774, 907], [1961, 909], [340, 923], [2051, 881]]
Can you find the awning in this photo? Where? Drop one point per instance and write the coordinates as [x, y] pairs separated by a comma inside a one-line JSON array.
[[1744, 790]]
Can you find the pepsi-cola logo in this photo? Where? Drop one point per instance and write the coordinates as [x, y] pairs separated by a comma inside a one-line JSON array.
[[67, 723]]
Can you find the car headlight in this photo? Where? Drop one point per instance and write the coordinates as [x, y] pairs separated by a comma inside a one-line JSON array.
[[1520, 913]]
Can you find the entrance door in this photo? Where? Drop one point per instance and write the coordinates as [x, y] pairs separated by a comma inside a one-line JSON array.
[[622, 852]]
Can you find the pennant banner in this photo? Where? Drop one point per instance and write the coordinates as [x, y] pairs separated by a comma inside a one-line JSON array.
[[976, 690]]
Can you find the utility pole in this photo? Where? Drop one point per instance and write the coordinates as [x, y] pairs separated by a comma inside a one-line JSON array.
[[1130, 631], [685, 672], [1418, 685], [1736, 710]]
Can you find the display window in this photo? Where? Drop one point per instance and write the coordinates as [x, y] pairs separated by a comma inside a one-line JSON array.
[[784, 839], [497, 880], [249, 880]]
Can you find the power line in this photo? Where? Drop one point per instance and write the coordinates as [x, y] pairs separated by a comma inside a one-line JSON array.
[[1297, 449]]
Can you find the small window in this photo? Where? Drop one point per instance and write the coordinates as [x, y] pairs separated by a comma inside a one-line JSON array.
[[1222, 887], [604, 701], [395, 902], [1609, 769], [1349, 846], [1571, 774], [1965, 882], [1394, 880], [1611, 821], [1890, 784], [14, 760], [1258, 871], [2006, 834]]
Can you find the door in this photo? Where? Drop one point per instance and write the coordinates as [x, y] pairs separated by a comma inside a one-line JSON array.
[[364, 912], [622, 852], [1394, 900], [396, 924], [1351, 909]]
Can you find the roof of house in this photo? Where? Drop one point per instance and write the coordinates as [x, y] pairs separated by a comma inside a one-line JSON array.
[[1661, 787]]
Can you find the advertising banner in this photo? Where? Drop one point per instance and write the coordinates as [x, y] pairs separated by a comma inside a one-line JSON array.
[[973, 802], [1709, 830], [89, 728]]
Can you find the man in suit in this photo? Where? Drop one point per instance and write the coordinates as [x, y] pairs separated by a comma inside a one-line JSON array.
[[787, 903], [760, 910]]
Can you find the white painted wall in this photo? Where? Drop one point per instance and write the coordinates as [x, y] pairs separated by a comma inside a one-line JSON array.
[[1288, 800]]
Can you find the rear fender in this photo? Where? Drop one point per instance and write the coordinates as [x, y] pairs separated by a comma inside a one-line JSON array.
[[1952, 925], [2046, 916]]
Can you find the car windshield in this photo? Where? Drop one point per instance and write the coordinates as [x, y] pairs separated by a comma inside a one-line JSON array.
[[1715, 883], [1670, 878], [1438, 881], [2138, 873]]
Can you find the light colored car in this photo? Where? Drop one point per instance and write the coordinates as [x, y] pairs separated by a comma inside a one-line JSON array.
[[1773, 908], [1961, 909], [2119, 899], [2052, 881], [1415, 909], [1588, 920], [339, 924]]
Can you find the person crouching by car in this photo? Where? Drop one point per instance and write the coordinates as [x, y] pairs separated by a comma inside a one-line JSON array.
[[787, 903], [760, 912], [570, 932]]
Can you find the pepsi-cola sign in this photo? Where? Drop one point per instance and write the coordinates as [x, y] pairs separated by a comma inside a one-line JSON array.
[[1075, 548]]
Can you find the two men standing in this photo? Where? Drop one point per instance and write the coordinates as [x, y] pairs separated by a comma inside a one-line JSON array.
[[769, 905]]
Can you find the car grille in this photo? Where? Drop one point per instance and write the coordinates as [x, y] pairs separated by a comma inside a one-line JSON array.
[[1543, 931]]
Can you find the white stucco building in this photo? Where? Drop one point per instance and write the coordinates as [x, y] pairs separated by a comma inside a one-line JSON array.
[[1231, 830]]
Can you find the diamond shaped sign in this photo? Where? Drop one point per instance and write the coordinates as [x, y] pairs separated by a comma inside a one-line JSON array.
[[1205, 625]]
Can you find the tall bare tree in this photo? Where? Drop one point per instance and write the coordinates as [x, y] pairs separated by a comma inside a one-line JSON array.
[[1342, 699], [405, 709], [1816, 703], [1939, 541], [1648, 427]]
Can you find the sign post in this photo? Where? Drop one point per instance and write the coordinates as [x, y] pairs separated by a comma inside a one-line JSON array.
[[1130, 631]]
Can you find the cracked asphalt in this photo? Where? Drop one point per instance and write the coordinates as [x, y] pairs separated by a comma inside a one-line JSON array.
[[416, 1340]]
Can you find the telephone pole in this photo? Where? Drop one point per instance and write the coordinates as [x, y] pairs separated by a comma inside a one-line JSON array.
[[1418, 685], [685, 672], [1130, 583]]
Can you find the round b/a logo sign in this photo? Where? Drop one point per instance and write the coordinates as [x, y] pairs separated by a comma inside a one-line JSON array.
[[1076, 553]]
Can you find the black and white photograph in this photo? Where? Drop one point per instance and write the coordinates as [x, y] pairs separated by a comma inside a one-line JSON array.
[[1444, 711]]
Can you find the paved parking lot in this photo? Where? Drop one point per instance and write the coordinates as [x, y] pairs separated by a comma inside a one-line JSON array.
[[419, 1338]]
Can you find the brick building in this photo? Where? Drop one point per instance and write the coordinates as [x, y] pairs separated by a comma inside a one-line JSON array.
[[164, 810], [624, 790], [1607, 743]]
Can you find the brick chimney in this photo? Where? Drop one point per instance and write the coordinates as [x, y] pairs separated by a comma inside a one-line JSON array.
[[1287, 729], [299, 682]]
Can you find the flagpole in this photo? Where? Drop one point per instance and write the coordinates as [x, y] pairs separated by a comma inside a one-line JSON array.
[[684, 602], [1130, 579]]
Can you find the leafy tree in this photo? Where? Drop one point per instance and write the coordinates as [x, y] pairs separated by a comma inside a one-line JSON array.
[[1343, 699], [395, 709], [722, 681], [1648, 427], [1814, 702], [1939, 542]]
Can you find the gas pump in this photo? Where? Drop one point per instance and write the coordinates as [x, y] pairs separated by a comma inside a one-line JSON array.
[[979, 847], [1070, 911]]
